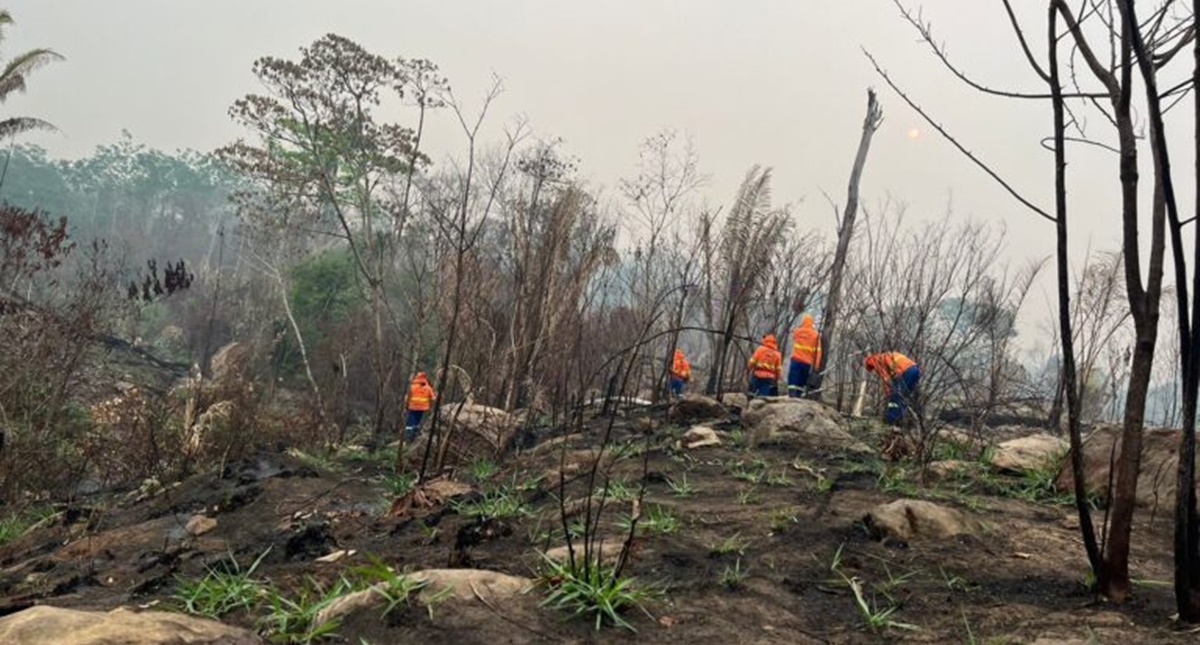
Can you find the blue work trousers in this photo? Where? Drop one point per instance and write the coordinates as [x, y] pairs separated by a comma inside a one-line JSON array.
[[412, 425], [763, 386], [798, 378], [904, 391]]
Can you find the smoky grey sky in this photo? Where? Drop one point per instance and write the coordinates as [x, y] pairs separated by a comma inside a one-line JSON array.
[[776, 82]]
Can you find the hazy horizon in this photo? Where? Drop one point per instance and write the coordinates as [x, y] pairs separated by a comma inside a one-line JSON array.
[[782, 84]]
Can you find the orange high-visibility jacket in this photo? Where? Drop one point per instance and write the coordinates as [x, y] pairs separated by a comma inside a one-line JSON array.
[[767, 362], [420, 394], [888, 365], [680, 367], [806, 346]]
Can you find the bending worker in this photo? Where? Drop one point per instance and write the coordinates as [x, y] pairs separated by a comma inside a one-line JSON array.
[[420, 398], [900, 376], [765, 367], [806, 356], [681, 373]]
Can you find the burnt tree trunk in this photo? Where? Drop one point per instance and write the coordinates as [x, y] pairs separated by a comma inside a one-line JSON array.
[[1064, 299], [1187, 536], [829, 321]]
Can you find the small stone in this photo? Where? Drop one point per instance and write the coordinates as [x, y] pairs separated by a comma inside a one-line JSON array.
[[900, 521], [694, 407], [1029, 453], [200, 524], [700, 436], [610, 552]]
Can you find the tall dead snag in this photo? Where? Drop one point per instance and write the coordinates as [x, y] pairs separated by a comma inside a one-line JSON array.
[[1187, 526], [1143, 299], [829, 321], [1088, 530], [1187, 520]]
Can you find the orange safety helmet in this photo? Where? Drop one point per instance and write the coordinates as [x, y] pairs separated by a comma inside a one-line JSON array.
[[421, 378], [769, 341]]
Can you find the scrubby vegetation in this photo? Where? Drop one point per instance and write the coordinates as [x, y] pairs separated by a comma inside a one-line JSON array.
[[206, 357]]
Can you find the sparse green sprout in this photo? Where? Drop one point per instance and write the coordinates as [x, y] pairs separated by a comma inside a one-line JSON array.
[[681, 487], [529, 483], [876, 618], [399, 484], [497, 504], [782, 518], [591, 591], [953, 583], [734, 577], [13, 527], [747, 496], [660, 520], [895, 479], [888, 586], [779, 479], [731, 544], [295, 621], [835, 563], [748, 475], [618, 490], [483, 470], [395, 588], [222, 590], [656, 519]]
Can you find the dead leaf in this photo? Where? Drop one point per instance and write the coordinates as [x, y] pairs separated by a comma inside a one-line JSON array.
[[334, 557], [666, 621]]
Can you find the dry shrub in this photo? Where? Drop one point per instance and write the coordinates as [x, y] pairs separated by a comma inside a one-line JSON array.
[[135, 436]]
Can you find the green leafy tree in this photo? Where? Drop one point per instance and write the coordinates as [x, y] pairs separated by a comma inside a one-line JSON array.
[[322, 164]]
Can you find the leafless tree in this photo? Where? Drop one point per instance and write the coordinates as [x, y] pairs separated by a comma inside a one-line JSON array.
[[832, 319]]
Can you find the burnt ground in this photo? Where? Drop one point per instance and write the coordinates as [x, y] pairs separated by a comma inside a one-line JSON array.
[[752, 562]]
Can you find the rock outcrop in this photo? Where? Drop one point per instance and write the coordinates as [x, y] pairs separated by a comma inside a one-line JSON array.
[[904, 520], [45, 625], [1025, 454], [700, 437], [1156, 480], [799, 422], [442, 584], [695, 407]]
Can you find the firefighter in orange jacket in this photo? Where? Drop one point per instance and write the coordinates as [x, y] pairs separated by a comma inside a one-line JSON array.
[[900, 376], [765, 367], [419, 400], [806, 356], [681, 373]]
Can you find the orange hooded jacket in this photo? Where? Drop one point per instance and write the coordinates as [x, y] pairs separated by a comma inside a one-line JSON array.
[[767, 362], [420, 394], [888, 365], [806, 346], [680, 367]]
